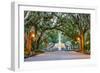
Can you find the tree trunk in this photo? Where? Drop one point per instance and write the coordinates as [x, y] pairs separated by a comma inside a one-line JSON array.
[[82, 43], [46, 42], [35, 41], [28, 45], [38, 41]]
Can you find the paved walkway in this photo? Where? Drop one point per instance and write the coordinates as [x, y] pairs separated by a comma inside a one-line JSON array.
[[58, 55]]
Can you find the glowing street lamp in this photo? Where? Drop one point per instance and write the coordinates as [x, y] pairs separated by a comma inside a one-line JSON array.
[[78, 39], [87, 42], [33, 35]]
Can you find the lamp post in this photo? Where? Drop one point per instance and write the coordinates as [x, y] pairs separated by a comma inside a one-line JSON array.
[[33, 35], [29, 41], [78, 40]]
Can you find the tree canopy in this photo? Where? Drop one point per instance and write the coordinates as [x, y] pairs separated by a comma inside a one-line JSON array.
[[46, 25]]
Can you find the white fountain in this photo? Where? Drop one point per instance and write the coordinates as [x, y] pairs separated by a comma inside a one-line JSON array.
[[59, 45]]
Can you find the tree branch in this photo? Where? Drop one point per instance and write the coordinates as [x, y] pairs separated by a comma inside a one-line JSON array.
[[27, 15]]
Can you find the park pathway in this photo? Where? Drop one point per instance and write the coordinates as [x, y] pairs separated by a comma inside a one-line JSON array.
[[58, 55]]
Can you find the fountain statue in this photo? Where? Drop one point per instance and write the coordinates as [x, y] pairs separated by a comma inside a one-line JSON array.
[[59, 46]]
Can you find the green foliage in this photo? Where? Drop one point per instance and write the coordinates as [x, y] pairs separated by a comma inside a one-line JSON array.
[[47, 25], [87, 42], [52, 36], [42, 45]]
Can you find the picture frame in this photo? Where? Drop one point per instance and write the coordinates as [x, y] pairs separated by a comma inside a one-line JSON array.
[[17, 34]]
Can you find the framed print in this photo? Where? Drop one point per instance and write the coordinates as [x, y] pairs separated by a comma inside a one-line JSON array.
[[52, 36]]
